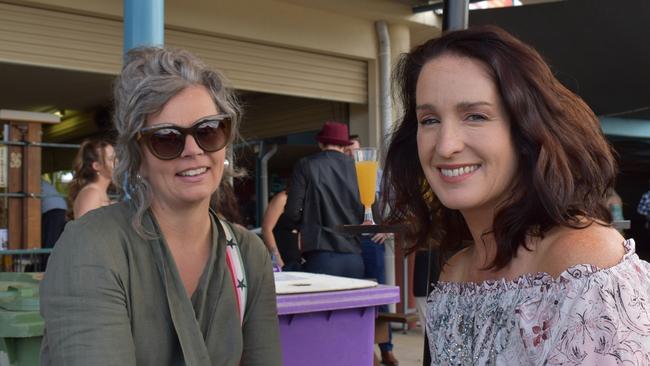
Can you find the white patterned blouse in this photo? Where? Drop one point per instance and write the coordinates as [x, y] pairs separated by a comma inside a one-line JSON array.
[[586, 316]]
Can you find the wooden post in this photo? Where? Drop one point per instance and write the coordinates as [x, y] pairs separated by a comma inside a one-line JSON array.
[[24, 176], [32, 183], [15, 172], [409, 300]]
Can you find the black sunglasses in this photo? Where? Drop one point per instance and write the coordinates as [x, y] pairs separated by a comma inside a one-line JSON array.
[[167, 141]]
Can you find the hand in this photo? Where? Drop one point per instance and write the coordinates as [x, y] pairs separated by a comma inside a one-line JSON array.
[[278, 259], [380, 238]]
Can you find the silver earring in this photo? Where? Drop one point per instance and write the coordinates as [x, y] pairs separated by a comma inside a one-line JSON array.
[[226, 163]]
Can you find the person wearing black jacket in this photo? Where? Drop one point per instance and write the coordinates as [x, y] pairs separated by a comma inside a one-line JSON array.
[[324, 194]]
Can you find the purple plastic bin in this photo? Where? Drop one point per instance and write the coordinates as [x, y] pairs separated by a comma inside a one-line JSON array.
[[331, 328]]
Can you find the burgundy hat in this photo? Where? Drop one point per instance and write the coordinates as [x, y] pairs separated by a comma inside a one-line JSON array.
[[334, 133]]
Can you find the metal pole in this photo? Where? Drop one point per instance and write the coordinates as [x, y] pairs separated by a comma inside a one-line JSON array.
[[28, 195], [454, 14], [264, 178], [259, 214], [385, 106], [144, 23], [39, 144], [385, 116], [4, 222], [405, 289]]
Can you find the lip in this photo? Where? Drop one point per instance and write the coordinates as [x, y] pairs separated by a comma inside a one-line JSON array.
[[459, 178], [194, 178]]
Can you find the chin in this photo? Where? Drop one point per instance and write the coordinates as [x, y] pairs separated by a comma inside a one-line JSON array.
[[196, 196], [456, 201], [455, 206]]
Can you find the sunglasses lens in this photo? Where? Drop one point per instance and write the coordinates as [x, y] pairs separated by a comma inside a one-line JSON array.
[[211, 135], [167, 143]]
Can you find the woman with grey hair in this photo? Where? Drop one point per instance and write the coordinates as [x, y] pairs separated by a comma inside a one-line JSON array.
[[159, 279]]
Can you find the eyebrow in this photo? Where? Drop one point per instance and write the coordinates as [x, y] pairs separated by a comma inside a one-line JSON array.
[[468, 105], [424, 107], [461, 105]]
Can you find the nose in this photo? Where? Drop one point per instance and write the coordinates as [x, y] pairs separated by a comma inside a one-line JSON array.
[[191, 148], [449, 139]]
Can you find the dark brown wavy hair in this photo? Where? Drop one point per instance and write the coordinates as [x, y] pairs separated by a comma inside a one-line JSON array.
[[90, 151], [565, 163]]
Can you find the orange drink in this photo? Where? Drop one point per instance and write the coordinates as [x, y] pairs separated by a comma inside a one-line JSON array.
[[367, 179], [365, 162]]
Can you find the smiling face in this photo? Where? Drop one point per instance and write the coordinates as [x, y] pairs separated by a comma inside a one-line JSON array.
[[192, 177], [464, 141]]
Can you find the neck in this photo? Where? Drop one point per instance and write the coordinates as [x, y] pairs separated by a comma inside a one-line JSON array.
[[186, 226], [102, 181], [334, 148], [484, 249]]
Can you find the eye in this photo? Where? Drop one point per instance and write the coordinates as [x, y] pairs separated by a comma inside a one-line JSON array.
[[475, 117], [425, 121]]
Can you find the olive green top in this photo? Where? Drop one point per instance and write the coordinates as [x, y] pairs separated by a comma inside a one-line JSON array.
[[110, 297]]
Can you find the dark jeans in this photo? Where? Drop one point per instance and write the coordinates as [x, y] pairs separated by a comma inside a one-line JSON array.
[[373, 260], [292, 267], [333, 263], [52, 224]]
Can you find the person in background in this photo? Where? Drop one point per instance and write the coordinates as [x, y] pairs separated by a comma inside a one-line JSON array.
[[644, 207], [250, 211], [92, 177], [53, 214], [324, 195], [280, 234], [509, 167], [615, 205], [355, 144], [160, 279], [373, 252]]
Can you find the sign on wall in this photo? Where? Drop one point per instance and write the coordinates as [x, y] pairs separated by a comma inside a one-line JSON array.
[[3, 166]]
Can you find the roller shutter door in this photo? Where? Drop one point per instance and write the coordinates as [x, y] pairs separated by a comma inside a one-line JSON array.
[[59, 39], [269, 115]]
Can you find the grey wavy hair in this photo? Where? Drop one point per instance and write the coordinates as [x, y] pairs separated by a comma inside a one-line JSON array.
[[150, 77]]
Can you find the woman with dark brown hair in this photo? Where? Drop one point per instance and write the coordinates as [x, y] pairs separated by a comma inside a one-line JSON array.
[[511, 170], [93, 170]]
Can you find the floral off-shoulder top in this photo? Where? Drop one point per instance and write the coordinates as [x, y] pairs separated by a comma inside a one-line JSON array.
[[586, 316]]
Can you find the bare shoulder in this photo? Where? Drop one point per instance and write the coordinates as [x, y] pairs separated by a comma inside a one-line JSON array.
[[275, 209], [94, 193], [280, 198], [89, 189], [597, 245], [89, 196], [452, 269]]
